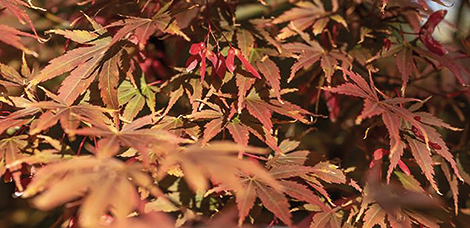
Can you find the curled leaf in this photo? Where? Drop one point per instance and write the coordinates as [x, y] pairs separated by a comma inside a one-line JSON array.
[[425, 33]]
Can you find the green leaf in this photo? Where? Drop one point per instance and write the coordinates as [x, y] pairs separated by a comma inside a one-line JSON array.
[[409, 182]]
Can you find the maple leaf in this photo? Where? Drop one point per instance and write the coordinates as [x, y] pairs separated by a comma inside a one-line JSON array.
[[327, 219], [374, 216], [296, 157], [82, 63], [311, 53], [259, 109], [143, 28], [178, 126], [104, 184], [289, 157], [398, 211], [20, 117], [236, 127], [436, 143], [70, 117], [109, 79], [391, 114], [240, 134], [276, 201], [300, 17], [263, 28], [273, 199], [454, 188], [301, 192], [262, 110], [245, 41], [174, 95], [409, 182], [451, 63], [271, 72], [268, 68], [34, 156], [130, 135], [405, 65], [134, 99], [425, 33], [427, 221], [194, 91], [13, 77], [288, 145], [423, 158], [305, 15], [232, 52], [244, 85], [10, 152], [241, 125], [216, 118], [329, 173], [200, 53], [284, 167], [200, 163], [453, 184], [15, 7], [12, 36], [212, 128], [260, 59], [326, 172]]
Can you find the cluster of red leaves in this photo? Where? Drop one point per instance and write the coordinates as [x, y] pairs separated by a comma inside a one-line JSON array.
[[199, 53]]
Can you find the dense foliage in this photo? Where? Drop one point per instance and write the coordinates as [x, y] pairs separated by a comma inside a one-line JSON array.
[[226, 113]]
